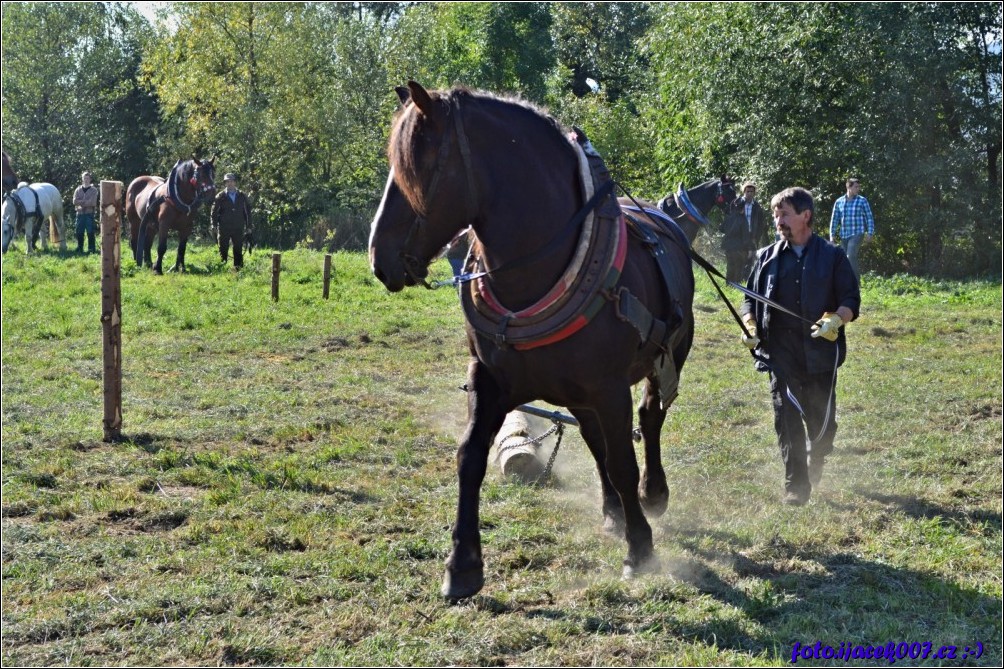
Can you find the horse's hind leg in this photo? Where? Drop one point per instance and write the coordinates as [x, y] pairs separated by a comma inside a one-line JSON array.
[[486, 411], [148, 248], [29, 235], [615, 419], [161, 250], [57, 217], [653, 491], [592, 434], [43, 233]]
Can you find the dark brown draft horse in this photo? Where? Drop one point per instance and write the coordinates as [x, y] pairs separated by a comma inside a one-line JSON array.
[[463, 159], [154, 205]]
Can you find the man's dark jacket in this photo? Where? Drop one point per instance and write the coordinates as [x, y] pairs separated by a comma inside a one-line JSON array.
[[737, 236], [829, 283], [229, 215]]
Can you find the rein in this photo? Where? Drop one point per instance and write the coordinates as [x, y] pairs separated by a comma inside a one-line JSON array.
[[712, 271]]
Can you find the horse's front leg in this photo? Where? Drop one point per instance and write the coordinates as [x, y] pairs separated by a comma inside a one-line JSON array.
[[179, 263], [615, 420], [653, 491], [486, 411]]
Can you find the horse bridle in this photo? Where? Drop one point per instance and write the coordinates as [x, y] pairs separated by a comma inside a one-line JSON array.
[[412, 265], [200, 192]]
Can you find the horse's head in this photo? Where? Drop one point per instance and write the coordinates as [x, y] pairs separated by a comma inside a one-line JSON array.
[[202, 179], [8, 221], [429, 195], [726, 192]]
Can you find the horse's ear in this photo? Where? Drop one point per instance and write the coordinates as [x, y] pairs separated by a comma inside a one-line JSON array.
[[212, 161], [420, 97], [403, 94], [195, 160]]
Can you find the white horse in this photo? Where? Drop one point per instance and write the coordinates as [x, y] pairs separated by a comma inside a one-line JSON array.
[[24, 205]]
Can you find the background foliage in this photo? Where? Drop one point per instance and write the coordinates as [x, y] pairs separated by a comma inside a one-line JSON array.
[[297, 98]]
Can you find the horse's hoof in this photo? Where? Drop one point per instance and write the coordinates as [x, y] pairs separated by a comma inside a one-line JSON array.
[[458, 585], [653, 493], [654, 504], [633, 569], [613, 525]]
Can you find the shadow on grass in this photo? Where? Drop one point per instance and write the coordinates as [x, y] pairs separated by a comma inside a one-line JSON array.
[[986, 522], [803, 597]]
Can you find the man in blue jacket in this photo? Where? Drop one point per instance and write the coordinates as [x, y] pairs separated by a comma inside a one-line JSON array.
[[812, 279]]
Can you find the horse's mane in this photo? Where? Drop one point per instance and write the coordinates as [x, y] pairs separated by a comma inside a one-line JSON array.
[[407, 129]]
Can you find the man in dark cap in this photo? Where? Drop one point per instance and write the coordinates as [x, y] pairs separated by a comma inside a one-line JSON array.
[[231, 213]]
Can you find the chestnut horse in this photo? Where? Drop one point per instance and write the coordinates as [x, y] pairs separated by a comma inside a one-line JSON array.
[[462, 159], [155, 205]]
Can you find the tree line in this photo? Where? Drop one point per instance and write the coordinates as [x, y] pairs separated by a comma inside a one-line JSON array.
[[297, 98]]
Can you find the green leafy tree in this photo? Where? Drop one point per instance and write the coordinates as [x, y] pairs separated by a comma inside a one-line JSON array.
[[903, 96], [70, 96], [597, 40], [291, 95], [503, 47]]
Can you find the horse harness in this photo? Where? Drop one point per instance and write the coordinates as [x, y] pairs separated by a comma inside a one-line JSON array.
[[21, 214], [173, 195], [590, 281]]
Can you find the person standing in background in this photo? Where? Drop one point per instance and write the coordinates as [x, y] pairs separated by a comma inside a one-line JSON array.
[[231, 213], [852, 222], [85, 201]]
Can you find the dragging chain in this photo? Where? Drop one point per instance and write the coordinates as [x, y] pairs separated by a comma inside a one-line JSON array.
[[556, 428]]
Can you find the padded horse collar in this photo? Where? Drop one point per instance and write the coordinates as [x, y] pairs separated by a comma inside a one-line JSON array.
[[174, 194], [583, 289], [688, 208]]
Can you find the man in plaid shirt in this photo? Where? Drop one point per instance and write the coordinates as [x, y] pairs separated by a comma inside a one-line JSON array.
[[852, 222]]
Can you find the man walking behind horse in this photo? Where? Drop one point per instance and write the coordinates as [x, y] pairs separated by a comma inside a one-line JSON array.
[[231, 212], [813, 281], [745, 232], [85, 201]]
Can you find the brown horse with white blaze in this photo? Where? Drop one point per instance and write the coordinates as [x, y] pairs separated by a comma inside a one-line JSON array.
[[154, 205], [462, 159]]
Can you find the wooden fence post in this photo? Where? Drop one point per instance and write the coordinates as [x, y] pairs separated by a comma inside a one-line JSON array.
[[276, 266], [111, 306], [327, 274]]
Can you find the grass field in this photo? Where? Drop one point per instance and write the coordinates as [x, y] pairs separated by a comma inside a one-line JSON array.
[[287, 486]]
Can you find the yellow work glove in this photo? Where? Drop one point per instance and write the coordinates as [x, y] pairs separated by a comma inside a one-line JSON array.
[[751, 341], [828, 327]]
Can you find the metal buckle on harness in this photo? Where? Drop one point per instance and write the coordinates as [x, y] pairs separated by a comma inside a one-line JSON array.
[[500, 338]]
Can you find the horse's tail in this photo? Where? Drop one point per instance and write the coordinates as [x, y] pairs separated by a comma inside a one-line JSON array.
[[140, 236]]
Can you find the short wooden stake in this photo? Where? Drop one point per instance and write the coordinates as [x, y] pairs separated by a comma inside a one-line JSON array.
[[276, 266], [327, 274], [111, 306]]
